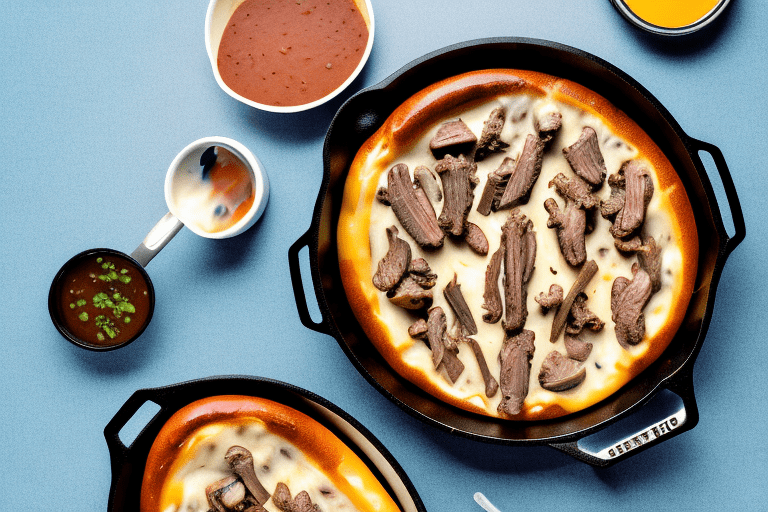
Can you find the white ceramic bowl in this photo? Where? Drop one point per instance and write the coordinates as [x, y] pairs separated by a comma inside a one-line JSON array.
[[219, 12], [189, 158]]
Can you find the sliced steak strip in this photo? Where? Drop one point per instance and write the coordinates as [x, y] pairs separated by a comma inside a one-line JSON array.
[[455, 299], [576, 348], [515, 359], [454, 138], [586, 274], [580, 317], [548, 121], [459, 180], [491, 384], [552, 299], [586, 159], [490, 140], [628, 298], [419, 271], [648, 256], [394, 264], [418, 220], [560, 373], [570, 224], [444, 349], [495, 186], [637, 186], [475, 238], [519, 242], [576, 190], [491, 294], [409, 294], [527, 171]]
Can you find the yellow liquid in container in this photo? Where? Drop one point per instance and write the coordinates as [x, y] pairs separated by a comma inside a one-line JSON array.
[[671, 13]]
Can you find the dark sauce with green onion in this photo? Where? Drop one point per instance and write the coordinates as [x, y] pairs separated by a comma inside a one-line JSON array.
[[104, 299]]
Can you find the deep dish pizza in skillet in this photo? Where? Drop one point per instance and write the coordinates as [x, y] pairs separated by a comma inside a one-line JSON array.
[[515, 245]]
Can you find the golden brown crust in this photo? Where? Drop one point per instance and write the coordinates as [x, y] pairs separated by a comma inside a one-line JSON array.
[[449, 97], [171, 449]]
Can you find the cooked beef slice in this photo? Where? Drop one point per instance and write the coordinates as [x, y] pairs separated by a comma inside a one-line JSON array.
[[527, 171], [570, 224], [416, 218], [576, 190], [586, 274], [444, 349], [515, 360], [548, 121], [419, 271], [552, 299], [475, 238], [631, 191], [560, 373], [452, 138], [495, 186], [628, 298], [459, 180], [519, 242], [576, 348], [410, 295], [648, 256], [394, 264], [586, 159], [491, 294], [490, 139], [491, 384], [580, 317], [455, 299]]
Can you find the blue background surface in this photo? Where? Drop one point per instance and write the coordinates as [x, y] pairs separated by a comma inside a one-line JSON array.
[[98, 97]]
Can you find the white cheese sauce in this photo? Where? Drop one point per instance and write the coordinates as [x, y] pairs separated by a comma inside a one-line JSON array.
[[274, 458], [608, 361]]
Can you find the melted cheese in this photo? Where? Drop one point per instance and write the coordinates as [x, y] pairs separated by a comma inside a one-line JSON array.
[[287, 446], [275, 459], [609, 366]]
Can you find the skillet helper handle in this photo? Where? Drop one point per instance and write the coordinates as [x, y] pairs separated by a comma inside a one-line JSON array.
[[730, 192], [122, 468], [121, 419], [298, 285], [660, 429]]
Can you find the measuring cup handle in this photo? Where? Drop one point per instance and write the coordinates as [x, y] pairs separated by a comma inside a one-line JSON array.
[[157, 238]]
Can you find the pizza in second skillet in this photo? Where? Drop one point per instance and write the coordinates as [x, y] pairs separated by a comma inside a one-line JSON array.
[[515, 245]]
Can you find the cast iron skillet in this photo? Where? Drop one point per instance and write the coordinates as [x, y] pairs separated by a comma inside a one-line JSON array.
[[366, 111], [128, 461]]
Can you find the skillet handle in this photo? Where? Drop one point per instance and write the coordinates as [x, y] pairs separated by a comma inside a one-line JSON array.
[[298, 285], [730, 192], [122, 468], [122, 417], [678, 414]]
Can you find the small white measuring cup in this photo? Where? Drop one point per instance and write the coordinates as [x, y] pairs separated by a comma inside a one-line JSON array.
[[185, 172]]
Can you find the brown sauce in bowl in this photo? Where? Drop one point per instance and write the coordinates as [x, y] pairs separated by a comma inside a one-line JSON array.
[[288, 53], [103, 299]]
